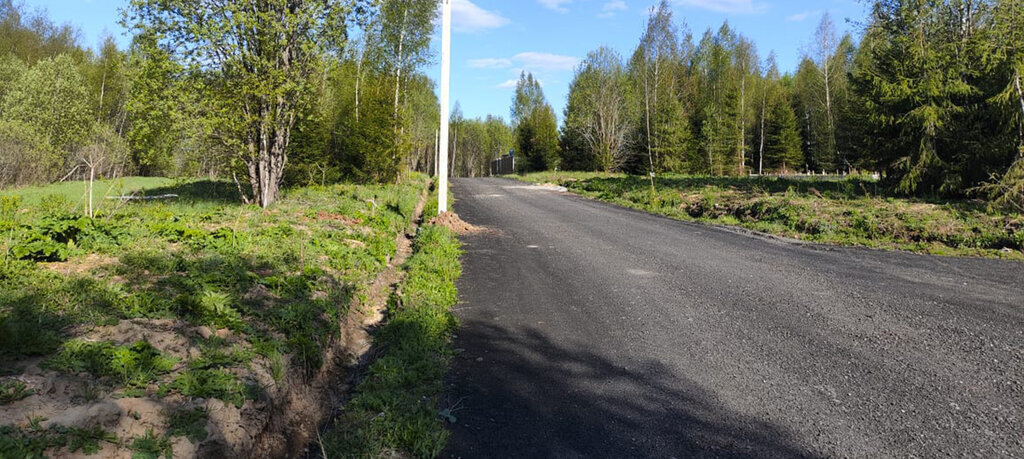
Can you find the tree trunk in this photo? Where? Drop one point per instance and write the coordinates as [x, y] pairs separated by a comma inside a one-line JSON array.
[[828, 111], [92, 178], [398, 66], [359, 77], [654, 123], [647, 111], [760, 161], [103, 90], [741, 154], [1020, 125]]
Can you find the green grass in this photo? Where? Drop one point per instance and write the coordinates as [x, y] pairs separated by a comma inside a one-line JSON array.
[[848, 211], [76, 192], [395, 407], [278, 281]]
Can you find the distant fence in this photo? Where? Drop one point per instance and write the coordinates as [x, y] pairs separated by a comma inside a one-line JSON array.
[[503, 166], [822, 176]]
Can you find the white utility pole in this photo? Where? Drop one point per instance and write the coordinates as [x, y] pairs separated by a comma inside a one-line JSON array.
[[446, 61]]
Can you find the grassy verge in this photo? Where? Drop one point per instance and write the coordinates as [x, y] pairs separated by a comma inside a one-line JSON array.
[[193, 299], [395, 407], [78, 192], [850, 211]]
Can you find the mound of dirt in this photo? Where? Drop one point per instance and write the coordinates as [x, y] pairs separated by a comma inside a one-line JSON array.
[[452, 221]]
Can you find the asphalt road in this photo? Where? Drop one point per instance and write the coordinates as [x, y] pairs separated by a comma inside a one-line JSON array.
[[589, 330]]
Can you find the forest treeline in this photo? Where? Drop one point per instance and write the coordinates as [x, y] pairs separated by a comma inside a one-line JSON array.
[[930, 96], [351, 103]]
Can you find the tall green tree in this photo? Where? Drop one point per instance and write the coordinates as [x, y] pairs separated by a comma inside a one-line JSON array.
[[536, 127], [1006, 60], [597, 120], [918, 77], [746, 69], [718, 98], [405, 30], [260, 58], [662, 132], [51, 97], [153, 106], [782, 137]]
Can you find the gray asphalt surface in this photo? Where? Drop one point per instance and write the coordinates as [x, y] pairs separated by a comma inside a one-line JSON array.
[[589, 330]]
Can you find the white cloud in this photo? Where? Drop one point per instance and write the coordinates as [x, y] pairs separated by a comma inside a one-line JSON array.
[[727, 6], [617, 5], [545, 61], [555, 5], [609, 9], [469, 18], [801, 16], [510, 84], [489, 63], [537, 63]]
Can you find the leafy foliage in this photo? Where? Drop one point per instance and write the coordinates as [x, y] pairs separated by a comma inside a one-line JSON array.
[[536, 130]]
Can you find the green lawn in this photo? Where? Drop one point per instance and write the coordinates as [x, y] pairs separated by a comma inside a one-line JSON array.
[[848, 211], [77, 192], [236, 302]]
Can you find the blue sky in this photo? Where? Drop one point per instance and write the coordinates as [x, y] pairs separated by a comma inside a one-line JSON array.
[[494, 40]]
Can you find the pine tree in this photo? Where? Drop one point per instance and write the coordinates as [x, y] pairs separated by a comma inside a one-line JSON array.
[[783, 151], [536, 128]]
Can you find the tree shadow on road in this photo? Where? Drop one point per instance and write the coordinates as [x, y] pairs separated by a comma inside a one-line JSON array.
[[516, 393]]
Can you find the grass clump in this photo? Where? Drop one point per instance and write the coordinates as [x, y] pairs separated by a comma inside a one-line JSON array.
[[152, 446], [188, 423], [13, 390], [35, 441], [211, 383], [395, 408]]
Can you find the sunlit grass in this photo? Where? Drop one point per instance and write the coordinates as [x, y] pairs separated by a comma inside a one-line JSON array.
[[848, 211]]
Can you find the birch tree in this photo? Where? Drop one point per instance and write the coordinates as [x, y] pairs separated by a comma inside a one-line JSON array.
[[259, 57]]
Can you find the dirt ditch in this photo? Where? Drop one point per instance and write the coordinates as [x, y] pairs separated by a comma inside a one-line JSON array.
[[294, 422]]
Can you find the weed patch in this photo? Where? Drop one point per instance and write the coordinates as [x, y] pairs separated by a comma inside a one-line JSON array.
[[188, 423], [152, 446], [13, 390], [212, 383], [849, 211], [35, 441], [133, 365]]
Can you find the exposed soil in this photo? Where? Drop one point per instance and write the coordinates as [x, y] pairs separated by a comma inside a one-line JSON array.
[[452, 221], [338, 218], [80, 265], [82, 401]]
